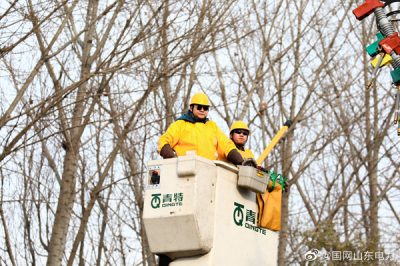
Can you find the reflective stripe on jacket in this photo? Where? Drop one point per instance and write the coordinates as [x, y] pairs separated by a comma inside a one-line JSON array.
[[203, 138]]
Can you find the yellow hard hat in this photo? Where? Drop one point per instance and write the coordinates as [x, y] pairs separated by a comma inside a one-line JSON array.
[[200, 98], [239, 125]]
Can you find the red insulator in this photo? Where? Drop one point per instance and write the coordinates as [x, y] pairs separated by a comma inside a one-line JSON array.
[[365, 9], [391, 43]]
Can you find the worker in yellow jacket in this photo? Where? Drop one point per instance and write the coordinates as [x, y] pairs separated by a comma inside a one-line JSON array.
[[193, 131], [239, 134], [269, 203]]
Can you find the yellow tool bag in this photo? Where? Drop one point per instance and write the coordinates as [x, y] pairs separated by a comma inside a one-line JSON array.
[[269, 208]]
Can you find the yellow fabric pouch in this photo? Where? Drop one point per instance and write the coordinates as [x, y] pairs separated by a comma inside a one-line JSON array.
[[269, 208]]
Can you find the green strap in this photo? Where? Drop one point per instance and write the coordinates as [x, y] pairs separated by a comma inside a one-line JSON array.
[[273, 178], [281, 180]]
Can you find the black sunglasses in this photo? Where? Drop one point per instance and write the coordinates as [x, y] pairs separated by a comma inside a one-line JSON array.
[[202, 107], [244, 132]]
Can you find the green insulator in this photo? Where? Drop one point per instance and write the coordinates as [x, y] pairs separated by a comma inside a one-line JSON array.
[[395, 76], [373, 49]]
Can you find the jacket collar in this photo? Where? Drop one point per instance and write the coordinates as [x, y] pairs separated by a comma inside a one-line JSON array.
[[240, 147], [189, 117]]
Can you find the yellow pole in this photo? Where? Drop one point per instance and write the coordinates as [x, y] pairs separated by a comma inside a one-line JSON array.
[[274, 141]]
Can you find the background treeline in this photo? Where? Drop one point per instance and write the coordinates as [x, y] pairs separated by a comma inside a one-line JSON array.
[[87, 87]]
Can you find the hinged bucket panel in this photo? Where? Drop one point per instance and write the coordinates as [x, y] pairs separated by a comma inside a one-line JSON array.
[[179, 208]]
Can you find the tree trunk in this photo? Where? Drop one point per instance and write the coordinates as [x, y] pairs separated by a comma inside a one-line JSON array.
[[283, 235], [286, 161], [372, 146], [373, 238], [67, 188], [64, 209]]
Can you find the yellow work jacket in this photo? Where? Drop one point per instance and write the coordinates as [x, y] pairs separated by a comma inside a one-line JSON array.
[[206, 139]]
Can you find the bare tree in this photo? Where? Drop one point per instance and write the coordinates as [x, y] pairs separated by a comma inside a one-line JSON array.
[[88, 87]]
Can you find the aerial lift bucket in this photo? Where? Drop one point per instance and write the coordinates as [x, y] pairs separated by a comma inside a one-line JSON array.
[[196, 213]]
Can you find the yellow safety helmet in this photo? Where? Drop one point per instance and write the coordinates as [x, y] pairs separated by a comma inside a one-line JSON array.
[[200, 98], [239, 125]]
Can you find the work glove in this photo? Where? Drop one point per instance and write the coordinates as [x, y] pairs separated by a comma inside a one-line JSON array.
[[250, 162], [167, 152], [265, 170]]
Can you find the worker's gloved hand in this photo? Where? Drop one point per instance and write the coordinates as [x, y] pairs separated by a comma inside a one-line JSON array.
[[265, 170], [250, 162], [167, 152]]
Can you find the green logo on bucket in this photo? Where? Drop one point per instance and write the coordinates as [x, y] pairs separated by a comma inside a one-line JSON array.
[[155, 201], [238, 214], [168, 200], [248, 221]]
